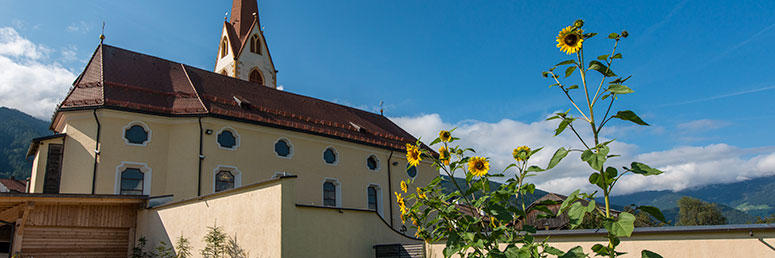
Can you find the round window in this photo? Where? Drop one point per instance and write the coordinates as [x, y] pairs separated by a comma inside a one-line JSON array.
[[411, 171], [226, 139], [329, 156], [282, 148], [136, 134], [372, 163]]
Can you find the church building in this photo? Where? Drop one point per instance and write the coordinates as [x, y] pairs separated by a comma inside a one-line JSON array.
[[172, 149]]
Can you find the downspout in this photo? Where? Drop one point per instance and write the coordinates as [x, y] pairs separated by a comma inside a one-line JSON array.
[[96, 152], [201, 157], [390, 189]]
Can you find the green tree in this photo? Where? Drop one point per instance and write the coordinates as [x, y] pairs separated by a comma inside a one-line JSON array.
[[765, 220], [216, 243], [183, 247], [164, 251], [694, 212]]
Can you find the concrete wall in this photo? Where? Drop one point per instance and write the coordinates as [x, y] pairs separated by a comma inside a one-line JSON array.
[[253, 214], [172, 157], [670, 244]]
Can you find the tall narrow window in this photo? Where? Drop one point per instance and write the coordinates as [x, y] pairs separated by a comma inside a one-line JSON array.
[[224, 180], [255, 76], [255, 44], [372, 192], [53, 168], [329, 194], [131, 182], [224, 49]]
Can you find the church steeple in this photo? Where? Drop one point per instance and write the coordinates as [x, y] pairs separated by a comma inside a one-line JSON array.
[[242, 16], [243, 52]]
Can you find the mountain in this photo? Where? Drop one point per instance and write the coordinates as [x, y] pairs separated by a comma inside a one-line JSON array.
[[740, 202], [448, 186], [16, 131]]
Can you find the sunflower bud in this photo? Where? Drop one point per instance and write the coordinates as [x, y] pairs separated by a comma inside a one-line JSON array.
[[625, 33], [578, 23], [545, 74]]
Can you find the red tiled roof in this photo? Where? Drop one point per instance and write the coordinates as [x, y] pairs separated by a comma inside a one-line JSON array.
[[14, 185], [126, 80]]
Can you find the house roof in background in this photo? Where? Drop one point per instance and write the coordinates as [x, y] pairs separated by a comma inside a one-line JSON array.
[[14, 184]]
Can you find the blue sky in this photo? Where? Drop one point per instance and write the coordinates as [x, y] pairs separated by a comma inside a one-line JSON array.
[[702, 70]]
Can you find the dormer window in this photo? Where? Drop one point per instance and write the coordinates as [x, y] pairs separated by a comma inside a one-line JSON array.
[[255, 44], [255, 76], [224, 49]]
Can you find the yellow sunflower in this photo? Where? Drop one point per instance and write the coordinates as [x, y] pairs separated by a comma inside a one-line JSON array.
[[478, 166], [400, 200], [569, 40], [445, 136], [413, 154], [403, 219], [421, 194], [444, 155], [404, 187], [521, 153]]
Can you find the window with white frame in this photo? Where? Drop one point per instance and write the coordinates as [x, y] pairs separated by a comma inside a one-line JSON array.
[[330, 156], [228, 139], [372, 162], [225, 178], [133, 178], [137, 133], [332, 193], [283, 148]]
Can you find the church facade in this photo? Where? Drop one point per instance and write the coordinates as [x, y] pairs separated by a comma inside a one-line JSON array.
[[191, 140]]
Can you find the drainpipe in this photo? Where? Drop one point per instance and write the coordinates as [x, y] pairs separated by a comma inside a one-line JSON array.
[[96, 152], [201, 157], [390, 189]]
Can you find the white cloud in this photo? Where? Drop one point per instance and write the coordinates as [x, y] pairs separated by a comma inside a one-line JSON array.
[[28, 82], [81, 27], [684, 167], [702, 125]]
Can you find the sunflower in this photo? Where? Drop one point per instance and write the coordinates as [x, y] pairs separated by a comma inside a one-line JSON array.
[[478, 166], [444, 155], [403, 219], [569, 40], [404, 187], [445, 136], [400, 201], [421, 194], [413, 154], [521, 153]]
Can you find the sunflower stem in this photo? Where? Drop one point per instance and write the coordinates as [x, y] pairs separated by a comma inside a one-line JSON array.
[[610, 61]]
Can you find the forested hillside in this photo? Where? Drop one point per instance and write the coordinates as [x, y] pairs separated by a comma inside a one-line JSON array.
[[16, 131]]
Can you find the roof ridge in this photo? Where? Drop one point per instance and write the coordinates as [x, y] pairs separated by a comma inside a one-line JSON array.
[[198, 97]]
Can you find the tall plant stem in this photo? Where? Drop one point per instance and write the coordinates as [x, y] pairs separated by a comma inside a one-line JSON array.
[[610, 62]]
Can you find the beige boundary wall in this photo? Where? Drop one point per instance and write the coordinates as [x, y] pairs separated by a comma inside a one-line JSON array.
[[268, 222], [726, 241]]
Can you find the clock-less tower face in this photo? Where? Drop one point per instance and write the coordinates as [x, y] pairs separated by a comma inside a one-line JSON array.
[[242, 49]]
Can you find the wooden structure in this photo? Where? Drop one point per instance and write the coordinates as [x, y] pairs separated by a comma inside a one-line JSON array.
[[400, 251], [558, 222], [70, 225]]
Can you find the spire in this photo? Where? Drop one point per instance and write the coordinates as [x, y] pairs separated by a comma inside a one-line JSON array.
[[242, 15]]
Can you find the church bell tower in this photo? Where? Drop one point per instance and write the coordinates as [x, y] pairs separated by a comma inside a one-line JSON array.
[[242, 51]]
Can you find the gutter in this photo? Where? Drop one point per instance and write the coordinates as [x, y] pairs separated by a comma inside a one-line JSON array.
[[201, 158], [390, 189], [96, 152]]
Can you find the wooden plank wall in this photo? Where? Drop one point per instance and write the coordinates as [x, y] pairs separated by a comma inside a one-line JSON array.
[[110, 216], [75, 242]]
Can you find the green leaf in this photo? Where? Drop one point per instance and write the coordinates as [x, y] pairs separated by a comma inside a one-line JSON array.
[[611, 172], [643, 169], [649, 254], [654, 212], [556, 84], [597, 180], [595, 160], [569, 71], [576, 252], [628, 115], [600, 250], [600, 67], [571, 198], [617, 56], [576, 214], [435, 141], [602, 58], [606, 96], [563, 124], [574, 86], [566, 62], [624, 226], [613, 35], [516, 252], [552, 250], [589, 35], [557, 157], [619, 89]]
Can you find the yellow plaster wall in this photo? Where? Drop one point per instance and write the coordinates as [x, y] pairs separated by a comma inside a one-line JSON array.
[[172, 154], [683, 245], [252, 214]]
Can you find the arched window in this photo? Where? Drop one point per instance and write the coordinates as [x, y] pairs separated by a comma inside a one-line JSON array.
[[224, 49], [255, 76], [329, 194], [224, 180], [372, 195], [255, 44], [131, 182]]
